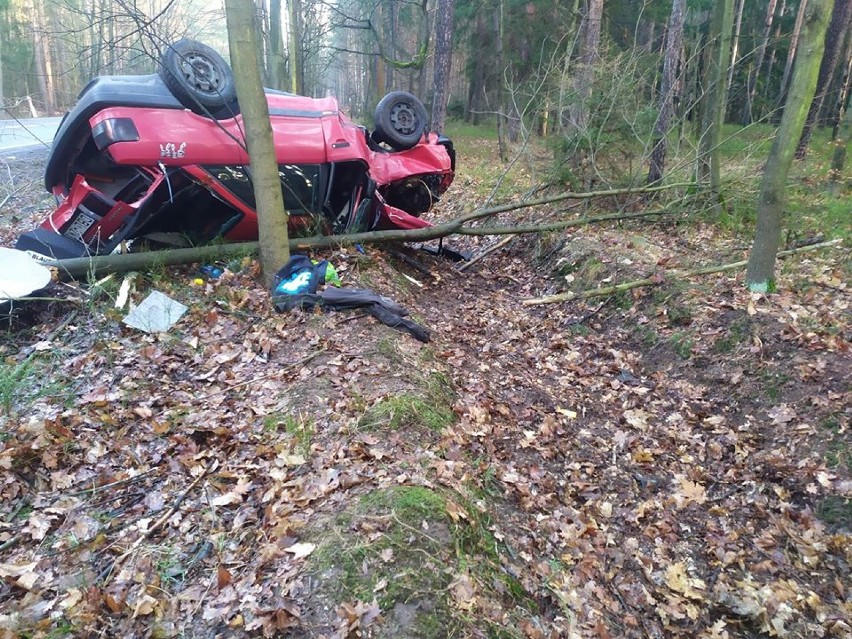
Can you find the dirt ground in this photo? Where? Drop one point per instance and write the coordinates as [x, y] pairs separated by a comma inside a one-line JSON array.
[[670, 461]]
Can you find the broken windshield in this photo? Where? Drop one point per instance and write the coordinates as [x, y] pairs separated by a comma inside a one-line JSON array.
[[300, 185]]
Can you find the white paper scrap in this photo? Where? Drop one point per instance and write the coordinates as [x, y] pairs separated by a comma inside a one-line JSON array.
[[20, 274], [156, 314]]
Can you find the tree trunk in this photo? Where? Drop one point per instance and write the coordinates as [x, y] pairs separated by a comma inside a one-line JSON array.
[[845, 92], [758, 63], [272, 217], [841, 142], [443, 60], [674, 38], [760, 274], [585, 72], [791, 52], [713, 114], [771, 64], [276, 46], [476, 88], [296, 71], [736, 41], [500, 93], [840, 20], [832, 109], [43, 61]]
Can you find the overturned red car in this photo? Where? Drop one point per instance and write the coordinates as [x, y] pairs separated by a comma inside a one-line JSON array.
[[161, 159]]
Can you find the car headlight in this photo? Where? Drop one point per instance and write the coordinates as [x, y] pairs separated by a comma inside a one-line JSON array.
[[114, 130]]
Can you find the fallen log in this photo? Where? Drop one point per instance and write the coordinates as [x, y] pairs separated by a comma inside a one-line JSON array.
[[653, 281], [122, 262]]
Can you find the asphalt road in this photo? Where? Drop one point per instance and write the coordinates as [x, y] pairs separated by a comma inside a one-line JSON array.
[[18, 135]]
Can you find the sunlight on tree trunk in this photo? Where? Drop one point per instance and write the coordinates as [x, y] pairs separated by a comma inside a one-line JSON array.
[[761, 260], [272, 218]]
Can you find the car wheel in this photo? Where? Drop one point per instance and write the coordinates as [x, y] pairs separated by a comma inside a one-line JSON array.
[[200, 79], [400, 120]]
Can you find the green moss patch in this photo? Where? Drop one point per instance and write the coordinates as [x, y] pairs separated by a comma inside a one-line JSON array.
[[429, 408], [432, 573]]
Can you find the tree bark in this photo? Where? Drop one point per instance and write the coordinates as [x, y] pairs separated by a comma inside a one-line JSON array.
[[761, 262], [674, 38], [713, 115], [840, 21], [272, 217], [443, 60], [791, 52], [758, 62]]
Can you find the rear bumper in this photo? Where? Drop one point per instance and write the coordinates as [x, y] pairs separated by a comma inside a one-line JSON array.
[[50, 244]]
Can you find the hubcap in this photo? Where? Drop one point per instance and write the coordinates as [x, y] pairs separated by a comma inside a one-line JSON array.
[[200, 73], [403, 118]]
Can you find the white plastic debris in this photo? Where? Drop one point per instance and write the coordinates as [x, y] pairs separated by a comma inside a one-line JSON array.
[[156, 314], [20, 274]]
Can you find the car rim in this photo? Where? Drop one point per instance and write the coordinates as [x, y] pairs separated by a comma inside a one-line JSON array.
[[403, 118], [200, 73]]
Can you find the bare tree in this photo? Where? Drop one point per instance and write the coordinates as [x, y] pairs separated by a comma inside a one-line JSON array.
[[297, 78], [586, 64], [760, 273], [674, 38], [791, 52], [735, 47], [276, 46], [272, 217], [754, 74], [443, 58], [715, 95], [841, 17]]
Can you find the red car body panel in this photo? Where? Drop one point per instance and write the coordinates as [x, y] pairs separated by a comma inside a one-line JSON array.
[[123, 167]]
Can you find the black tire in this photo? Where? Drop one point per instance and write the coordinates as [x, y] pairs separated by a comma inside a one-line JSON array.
[[200, 79], [400, 120]]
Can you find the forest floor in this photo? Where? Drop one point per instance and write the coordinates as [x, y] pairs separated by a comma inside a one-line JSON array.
[[671, 461]]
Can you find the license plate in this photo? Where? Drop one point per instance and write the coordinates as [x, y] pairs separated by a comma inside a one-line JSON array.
[[79, 225]]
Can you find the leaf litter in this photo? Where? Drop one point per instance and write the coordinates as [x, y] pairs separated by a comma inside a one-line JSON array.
[[672, 462]]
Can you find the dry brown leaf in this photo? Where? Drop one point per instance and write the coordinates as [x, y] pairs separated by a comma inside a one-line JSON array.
[[23, 574], [223, 577]]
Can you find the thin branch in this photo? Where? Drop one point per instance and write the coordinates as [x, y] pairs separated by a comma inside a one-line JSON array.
[[659, 279]]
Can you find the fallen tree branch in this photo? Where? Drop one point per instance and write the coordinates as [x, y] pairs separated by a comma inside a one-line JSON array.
[[653, 281], [122, 262], [521, 229], [485, 253]]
